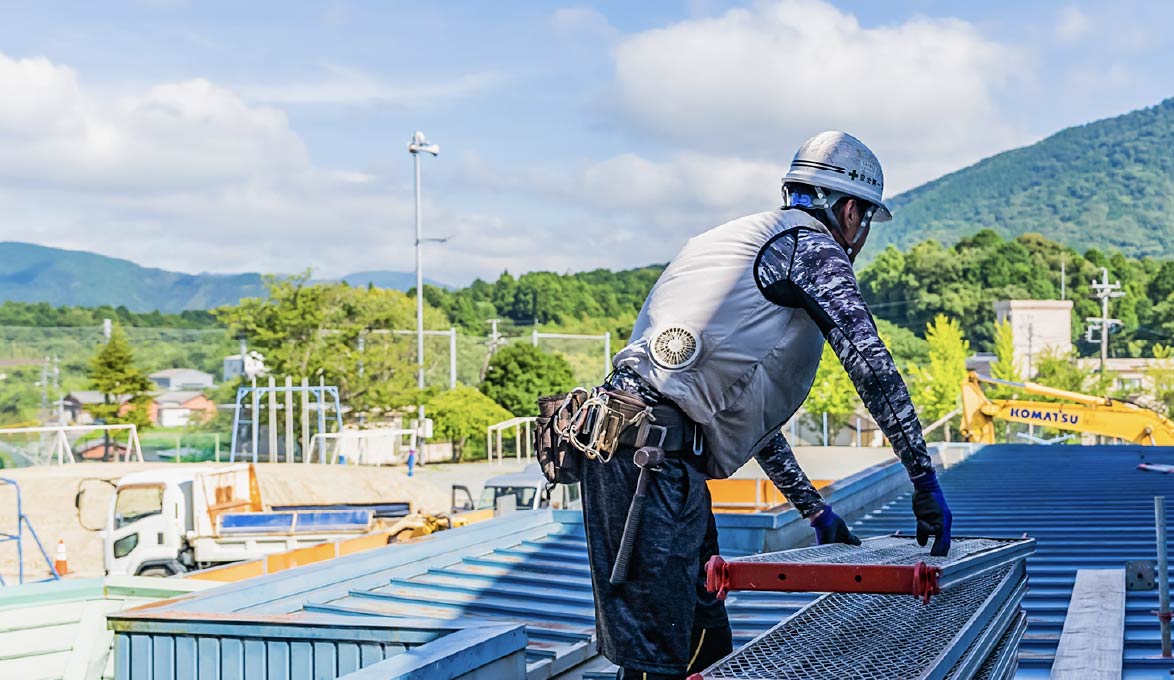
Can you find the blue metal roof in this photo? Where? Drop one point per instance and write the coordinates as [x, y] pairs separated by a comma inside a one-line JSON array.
[[1087, 507], [529, 568]]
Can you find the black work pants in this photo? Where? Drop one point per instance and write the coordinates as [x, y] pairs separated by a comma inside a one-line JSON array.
[[661, 621]]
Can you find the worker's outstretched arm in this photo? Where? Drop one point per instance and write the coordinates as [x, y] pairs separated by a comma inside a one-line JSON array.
[[778, 461], [809, 269]]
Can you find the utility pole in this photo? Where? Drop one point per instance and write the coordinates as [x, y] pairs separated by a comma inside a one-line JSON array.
[[1104, 291], [1063, 278], [57, 395], [494, 336], [494, 340], [45, 390]]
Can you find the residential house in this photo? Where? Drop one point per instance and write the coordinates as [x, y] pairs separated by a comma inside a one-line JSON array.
[[182, 379], [181, 408], [100, 449], [77, 406], [174, 408]]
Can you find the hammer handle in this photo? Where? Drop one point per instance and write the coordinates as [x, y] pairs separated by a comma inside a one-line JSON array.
[[619, 571]]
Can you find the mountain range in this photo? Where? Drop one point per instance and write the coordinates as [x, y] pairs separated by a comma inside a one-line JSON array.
[[1106, 185], [34, 273]]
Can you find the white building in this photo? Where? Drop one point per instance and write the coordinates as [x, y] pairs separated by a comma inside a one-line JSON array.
[[182, 379], [1038, 327]]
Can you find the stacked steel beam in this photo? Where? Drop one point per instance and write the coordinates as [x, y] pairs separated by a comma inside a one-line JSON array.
[[970, 626]]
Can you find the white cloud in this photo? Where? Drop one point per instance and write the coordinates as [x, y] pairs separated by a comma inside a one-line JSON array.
[[760, 80], [341, 85], [1072, 25], [187, 176]]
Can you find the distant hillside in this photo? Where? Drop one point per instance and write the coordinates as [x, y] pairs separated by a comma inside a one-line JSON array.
[[389, 280], [33, 273], [1107, 185]]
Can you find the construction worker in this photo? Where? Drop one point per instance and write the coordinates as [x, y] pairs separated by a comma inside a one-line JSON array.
[[724, 352]]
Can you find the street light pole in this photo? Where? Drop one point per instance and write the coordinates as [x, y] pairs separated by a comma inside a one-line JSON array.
[[415, 147]]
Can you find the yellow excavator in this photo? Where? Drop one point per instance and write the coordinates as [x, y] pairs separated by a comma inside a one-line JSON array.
[[1087, 413]]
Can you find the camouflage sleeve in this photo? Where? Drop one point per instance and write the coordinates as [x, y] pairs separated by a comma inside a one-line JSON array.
[[778, 461], [809, 269]]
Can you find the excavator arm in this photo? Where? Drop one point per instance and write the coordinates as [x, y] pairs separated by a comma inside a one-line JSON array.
[[1087, 413]]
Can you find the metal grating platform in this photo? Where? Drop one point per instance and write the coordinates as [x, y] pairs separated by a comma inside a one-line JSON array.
[[874, 637], [959, 634]]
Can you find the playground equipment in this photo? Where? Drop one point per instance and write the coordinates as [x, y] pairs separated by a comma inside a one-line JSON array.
[[22, 523], [250, 398]]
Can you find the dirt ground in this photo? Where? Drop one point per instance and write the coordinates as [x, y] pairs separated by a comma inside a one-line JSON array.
[[47, 495]]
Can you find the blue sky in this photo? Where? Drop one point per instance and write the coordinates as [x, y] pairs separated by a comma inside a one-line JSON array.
[[269, 136]]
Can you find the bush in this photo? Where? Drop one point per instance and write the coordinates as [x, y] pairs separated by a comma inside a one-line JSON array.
[[520, 373]]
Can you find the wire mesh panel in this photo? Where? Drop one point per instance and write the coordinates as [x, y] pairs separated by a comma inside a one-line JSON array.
[[881, 550], [877, 637], [1002, 663]]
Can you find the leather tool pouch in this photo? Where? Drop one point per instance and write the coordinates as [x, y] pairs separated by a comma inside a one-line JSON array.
[[560, 461]]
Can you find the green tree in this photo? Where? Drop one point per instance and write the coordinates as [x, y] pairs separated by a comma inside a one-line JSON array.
[[312, 330], [461, 414], [936, 387], [832, 393], [1161, 373], [519, 373], [1062, 372], [1004, 367], [114, 374]]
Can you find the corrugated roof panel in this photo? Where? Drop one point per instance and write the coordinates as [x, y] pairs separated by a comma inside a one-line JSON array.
[[1087, 507], [529, 569]]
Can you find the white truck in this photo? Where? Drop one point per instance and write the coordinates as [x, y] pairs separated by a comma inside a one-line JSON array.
[[168, 521], [528, 488]]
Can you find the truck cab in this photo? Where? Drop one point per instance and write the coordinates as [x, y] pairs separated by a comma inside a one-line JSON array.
[[147, 523], [529, 491]]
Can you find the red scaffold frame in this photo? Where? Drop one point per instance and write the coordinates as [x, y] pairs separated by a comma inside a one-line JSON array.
[[919, 580]]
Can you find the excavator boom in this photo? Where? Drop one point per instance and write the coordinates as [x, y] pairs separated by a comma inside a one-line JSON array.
[[1095, 415]]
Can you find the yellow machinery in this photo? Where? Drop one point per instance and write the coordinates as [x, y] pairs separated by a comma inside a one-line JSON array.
[[420, 524], [1095, 415]]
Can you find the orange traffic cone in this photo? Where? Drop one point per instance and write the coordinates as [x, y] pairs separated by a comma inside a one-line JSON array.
[[61, 563]]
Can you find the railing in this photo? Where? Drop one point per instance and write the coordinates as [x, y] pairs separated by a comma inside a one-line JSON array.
[[390, 446], [521, 441]]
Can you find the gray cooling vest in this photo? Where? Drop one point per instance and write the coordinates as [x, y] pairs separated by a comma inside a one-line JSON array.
[[755, 362]]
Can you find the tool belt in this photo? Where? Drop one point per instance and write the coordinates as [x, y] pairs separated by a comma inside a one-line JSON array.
[[594, 424]]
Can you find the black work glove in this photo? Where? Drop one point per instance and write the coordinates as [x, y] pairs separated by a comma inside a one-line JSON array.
[[830, 528], [933, 515]]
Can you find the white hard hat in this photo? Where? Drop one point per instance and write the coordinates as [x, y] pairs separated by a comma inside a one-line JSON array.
[[838, 162]]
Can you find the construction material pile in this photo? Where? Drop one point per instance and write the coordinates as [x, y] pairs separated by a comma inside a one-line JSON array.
[[970, 626]]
